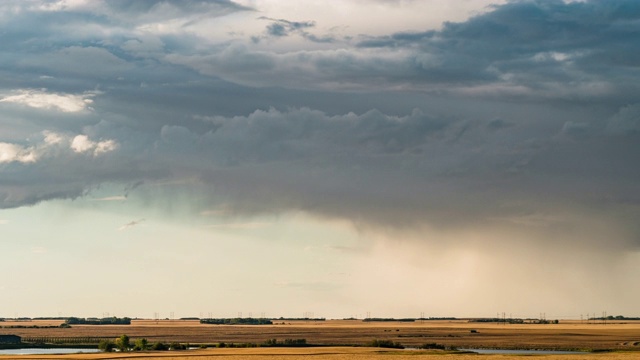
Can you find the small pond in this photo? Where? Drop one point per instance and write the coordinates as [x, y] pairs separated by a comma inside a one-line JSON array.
[[39, 351]]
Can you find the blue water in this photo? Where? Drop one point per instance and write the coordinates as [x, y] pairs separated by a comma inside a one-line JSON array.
[[524, 352], [37, 351]]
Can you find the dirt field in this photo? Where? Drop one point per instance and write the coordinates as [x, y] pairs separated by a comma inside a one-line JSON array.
[[566, 335]]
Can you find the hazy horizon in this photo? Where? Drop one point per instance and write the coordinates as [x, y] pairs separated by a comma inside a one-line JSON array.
[[392, 157]]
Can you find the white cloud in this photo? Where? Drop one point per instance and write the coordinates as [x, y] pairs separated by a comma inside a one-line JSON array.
[[105, 146], [52, 138], [3, 222], [82, 144], [50, 145], [15, 153], [41, 99]]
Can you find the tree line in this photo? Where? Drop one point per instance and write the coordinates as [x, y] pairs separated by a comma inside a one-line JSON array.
[[96, 321], [236, 321]]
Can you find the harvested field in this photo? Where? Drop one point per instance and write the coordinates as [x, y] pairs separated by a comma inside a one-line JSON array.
[[566, 335], [329, 353]]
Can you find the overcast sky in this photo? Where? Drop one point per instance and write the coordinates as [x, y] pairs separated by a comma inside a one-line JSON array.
[[396, 157]]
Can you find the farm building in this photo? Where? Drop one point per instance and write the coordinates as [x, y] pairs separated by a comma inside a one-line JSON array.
[[10, 339]]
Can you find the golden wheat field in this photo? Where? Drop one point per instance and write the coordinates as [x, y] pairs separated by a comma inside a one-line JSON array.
[[333, 335]]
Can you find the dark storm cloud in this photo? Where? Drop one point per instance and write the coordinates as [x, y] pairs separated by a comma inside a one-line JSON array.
[[371, 168]]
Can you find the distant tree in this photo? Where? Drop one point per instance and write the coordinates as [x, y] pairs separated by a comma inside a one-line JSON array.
[[177, 346], [236, 321], [270, 342], [141, 345], [295, 342], [385, 344], [159, 346], [106, 345], [95, 321], [123, 343]]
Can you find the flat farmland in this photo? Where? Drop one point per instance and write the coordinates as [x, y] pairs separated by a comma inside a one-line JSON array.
[[329, 353], [566, 335]]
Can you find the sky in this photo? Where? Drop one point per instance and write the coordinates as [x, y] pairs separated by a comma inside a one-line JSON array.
[[395, 158]]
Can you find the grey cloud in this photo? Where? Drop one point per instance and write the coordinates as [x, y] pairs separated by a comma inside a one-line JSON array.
[[575, 128], [373, 169], [342, 69], [76, 60], [625, 121], [373, 183], [511, 51], [98, 44], [536, 44], [498, 123], [281, 28], [276, 30], [545, 50], [396, 40], [188, 6], [134, 13]]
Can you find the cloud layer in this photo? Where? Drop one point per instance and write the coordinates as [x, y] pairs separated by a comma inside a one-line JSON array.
[[523, 116]]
